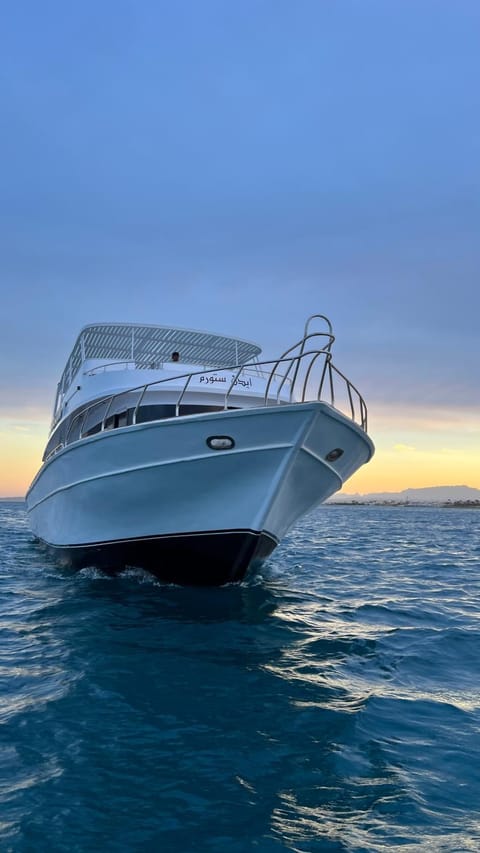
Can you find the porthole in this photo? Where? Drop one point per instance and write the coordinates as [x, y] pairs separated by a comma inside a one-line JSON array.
[[220, 442], [334, 454]]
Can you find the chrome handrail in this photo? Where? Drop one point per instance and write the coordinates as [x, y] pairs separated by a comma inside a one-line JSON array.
[[117, 365], [110, 401], [232, 385], [314, 354], [306, 337], [330, 328], [177, 404], [135, 413], [301, 347]]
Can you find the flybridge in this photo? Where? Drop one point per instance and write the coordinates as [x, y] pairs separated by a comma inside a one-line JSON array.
[[153, 345]]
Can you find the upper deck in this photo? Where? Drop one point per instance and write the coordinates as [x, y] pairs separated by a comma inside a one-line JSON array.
[[149, 347]]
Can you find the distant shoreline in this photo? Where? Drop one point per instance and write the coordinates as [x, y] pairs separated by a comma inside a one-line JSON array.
[[438, 504], [450, 504]]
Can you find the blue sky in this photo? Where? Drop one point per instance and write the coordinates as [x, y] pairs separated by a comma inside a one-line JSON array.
[[236, 166]]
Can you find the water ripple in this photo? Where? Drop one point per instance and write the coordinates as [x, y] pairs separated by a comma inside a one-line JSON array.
[[329, 703]]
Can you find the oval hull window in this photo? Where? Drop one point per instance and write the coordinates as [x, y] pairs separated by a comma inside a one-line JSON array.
[[334, 454], [220, 442]]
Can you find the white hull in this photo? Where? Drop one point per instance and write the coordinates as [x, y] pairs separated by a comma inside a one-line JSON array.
[[152, 493]]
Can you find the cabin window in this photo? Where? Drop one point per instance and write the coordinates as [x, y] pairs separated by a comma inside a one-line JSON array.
[[74, 428], [155, 413], [119, 419], [92, 430], [94, 417], [88, 421], [159, 412]]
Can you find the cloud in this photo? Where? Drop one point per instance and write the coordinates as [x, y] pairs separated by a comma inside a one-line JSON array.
[[404, 448]]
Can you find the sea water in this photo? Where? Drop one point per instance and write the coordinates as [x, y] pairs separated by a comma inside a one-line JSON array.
[[329, 703]]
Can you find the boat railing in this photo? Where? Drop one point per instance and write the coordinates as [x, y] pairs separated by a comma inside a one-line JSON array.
[[300, 375], [120, 365], [253, 369]]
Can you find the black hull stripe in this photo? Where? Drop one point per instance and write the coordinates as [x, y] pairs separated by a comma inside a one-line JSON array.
[[162, 536], [208, 558]]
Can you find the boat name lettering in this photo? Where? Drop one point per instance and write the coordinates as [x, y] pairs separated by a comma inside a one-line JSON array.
[[245, 383], [210, 380]]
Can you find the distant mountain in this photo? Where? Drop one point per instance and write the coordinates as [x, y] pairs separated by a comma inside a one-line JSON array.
[[432, 494]]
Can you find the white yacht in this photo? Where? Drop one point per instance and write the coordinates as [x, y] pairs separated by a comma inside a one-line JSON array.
[[182, 453]]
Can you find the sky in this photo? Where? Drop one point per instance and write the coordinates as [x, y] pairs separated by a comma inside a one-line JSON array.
[[236, 166]]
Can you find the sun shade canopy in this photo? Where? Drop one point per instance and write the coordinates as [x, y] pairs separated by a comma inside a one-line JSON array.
[[154, 344]]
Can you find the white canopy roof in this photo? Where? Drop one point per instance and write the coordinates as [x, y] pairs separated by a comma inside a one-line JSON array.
[[145, 344]]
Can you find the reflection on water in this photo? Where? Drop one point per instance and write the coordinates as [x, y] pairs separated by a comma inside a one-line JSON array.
[[330, 703]]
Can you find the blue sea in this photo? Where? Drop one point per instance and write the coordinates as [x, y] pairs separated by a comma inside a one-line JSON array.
[[329, 703]]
